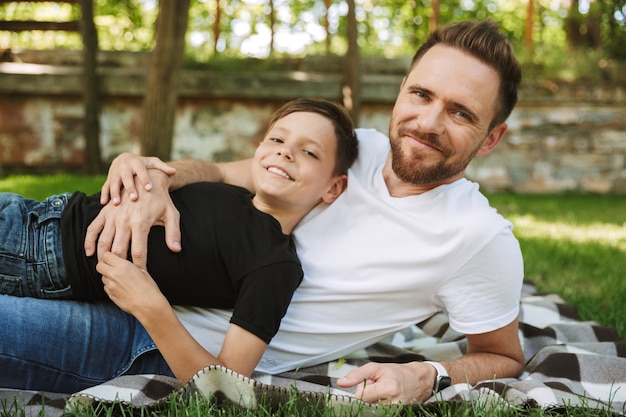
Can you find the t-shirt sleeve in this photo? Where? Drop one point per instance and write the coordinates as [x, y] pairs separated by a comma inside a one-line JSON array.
[[484, 295], [264, 297]]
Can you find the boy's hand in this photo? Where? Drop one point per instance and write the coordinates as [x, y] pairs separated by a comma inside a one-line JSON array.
[[130, 172], [132, 289]]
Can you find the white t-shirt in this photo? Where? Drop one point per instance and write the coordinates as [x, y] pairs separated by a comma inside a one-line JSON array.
[[376, 264]]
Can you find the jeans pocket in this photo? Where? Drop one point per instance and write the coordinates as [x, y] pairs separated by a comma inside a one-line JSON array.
[[10, 285]]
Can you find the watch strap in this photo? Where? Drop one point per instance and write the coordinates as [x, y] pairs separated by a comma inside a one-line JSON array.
[[442, 380]]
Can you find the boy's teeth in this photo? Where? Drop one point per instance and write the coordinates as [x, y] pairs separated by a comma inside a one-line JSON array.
[[279, 172]]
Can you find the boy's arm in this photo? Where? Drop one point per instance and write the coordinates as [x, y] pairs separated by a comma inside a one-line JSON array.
[[139, 190], [134, 291]]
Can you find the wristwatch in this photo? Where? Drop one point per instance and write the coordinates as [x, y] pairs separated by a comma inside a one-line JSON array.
[[442, 380]]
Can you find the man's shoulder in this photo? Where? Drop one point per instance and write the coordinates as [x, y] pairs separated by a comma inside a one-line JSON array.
[[373, 149], [369, 136], [471, 207]]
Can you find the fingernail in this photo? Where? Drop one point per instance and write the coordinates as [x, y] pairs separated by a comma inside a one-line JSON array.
[[116, 200], [148, 186], [176, 245], [133, 196]]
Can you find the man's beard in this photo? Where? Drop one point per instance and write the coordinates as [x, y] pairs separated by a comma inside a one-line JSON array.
[[412, 168]]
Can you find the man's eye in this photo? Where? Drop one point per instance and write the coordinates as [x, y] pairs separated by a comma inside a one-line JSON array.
[[463, 115]]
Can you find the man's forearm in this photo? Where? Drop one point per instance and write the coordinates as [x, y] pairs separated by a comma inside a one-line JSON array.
[[190, 171], [475, 367], [496, 354]]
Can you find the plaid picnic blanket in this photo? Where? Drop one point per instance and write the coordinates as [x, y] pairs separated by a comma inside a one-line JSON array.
[[569, 363]]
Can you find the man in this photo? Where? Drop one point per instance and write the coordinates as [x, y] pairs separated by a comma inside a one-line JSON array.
[[409, 237]]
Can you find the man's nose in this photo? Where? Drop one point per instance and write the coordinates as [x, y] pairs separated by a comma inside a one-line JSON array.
[[431, 119]]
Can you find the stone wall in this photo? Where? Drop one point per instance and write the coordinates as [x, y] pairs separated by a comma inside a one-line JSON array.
[[561, 137]]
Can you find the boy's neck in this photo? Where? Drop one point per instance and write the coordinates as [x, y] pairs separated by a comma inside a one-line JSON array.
[[286, 216]]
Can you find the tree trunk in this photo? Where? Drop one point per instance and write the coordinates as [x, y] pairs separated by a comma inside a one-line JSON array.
[[272, 24], [352, 87], [160, 102], [572, 25], [217, 25], [528, 30], [91, 125], [433, 22], [327, 4]]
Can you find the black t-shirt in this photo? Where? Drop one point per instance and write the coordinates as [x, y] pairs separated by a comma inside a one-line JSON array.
[[234, 256]]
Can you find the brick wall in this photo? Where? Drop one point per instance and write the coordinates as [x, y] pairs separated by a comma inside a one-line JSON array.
[[561, 137]]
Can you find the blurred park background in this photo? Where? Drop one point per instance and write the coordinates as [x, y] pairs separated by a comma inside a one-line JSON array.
[[83, 80], [192, 78]]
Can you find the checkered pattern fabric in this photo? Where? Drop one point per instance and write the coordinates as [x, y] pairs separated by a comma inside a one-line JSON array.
[[569, 362]]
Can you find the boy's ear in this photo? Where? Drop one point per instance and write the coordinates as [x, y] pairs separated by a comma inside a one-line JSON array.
[[337, 186]]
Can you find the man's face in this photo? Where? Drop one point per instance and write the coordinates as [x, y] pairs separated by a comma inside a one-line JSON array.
[[441, 118]]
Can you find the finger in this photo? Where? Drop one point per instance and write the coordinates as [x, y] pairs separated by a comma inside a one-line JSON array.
[[91, 236], [156, 163], [105, 239], [143, 180], [104, 192], [139, 250], [356, 376], [119, 242], [128, 183], [373, 392], [172, 231]]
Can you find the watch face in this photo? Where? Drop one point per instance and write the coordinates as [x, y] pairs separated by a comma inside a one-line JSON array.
[[443, 382]]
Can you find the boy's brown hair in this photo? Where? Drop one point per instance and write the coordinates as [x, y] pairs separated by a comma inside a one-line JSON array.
[[347, 143]]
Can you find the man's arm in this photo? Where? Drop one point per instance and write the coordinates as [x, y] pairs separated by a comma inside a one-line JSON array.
[[131, 173], [497, 354], [139, 189]]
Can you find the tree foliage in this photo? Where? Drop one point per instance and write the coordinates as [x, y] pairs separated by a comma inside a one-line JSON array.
[[389, 28]]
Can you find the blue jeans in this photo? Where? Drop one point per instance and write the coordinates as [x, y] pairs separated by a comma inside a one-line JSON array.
[[31, 255], [66, 346], [50, 344]]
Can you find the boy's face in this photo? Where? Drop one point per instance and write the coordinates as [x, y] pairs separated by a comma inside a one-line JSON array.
[[293, 166]]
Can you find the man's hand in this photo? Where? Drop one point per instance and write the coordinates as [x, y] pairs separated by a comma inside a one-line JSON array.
[[130, 172], [496, 354], [391, 382], [117, 226]]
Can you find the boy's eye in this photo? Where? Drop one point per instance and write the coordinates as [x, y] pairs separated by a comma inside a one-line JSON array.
[[277, 140], [309, 153]]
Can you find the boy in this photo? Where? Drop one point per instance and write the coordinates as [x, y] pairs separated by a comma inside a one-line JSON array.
[[239, 254]]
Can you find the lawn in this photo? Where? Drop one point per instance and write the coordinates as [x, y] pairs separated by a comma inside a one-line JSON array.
[[573, 245]]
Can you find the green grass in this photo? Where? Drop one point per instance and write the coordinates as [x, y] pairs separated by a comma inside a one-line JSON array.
[[573, 245], [40, 187]]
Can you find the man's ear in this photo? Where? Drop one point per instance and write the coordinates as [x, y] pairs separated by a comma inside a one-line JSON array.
[[492, 139], [337, 186]]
